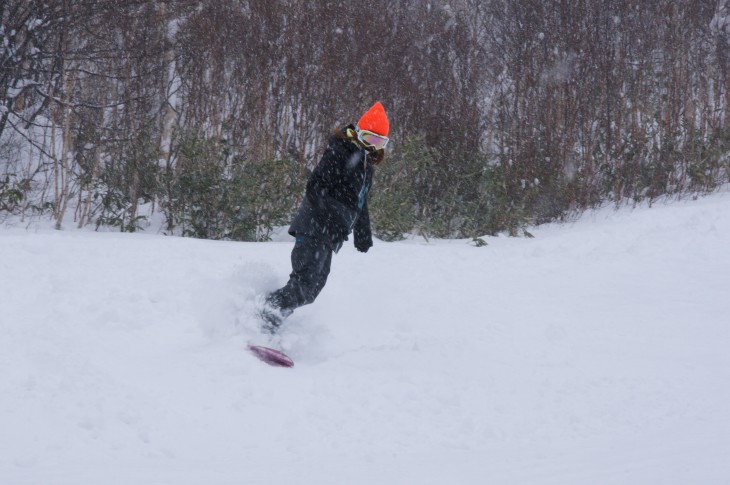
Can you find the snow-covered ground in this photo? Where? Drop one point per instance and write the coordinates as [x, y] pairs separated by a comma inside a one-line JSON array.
[[596, 353]]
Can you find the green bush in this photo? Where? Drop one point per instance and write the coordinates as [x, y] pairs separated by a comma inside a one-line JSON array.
[[212, 195], [421, 191], [10, 194]]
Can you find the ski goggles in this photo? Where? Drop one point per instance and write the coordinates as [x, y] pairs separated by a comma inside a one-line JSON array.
[[372, 140]]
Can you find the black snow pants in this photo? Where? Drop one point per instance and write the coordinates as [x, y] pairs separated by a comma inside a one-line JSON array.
[[310, 259]]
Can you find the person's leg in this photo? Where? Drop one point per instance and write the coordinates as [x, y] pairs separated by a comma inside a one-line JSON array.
[[311, 259]]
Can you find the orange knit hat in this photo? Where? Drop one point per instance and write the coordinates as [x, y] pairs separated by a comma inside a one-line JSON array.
[[375, 120]]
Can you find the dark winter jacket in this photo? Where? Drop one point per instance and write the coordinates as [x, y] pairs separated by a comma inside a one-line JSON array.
[[335, 202]]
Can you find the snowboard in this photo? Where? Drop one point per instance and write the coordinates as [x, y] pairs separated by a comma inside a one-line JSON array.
[[273, 357]]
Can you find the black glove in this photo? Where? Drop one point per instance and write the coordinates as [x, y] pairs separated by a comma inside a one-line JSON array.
[[363, 245]]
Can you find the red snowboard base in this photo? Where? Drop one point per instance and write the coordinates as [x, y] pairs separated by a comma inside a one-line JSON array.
[[273, 357]]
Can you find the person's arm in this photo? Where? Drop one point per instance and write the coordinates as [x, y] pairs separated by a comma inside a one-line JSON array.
[[362, 233]]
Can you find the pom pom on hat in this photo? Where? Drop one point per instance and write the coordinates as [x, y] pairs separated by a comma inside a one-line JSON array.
[[375, 120]]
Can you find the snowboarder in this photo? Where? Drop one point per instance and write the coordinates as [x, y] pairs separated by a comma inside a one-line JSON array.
[[335, 205]]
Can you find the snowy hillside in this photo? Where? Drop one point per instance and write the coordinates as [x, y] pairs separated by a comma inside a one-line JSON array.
[[596, 353]]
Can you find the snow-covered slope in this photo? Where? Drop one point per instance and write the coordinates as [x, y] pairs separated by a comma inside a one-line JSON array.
[[596, 353]]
